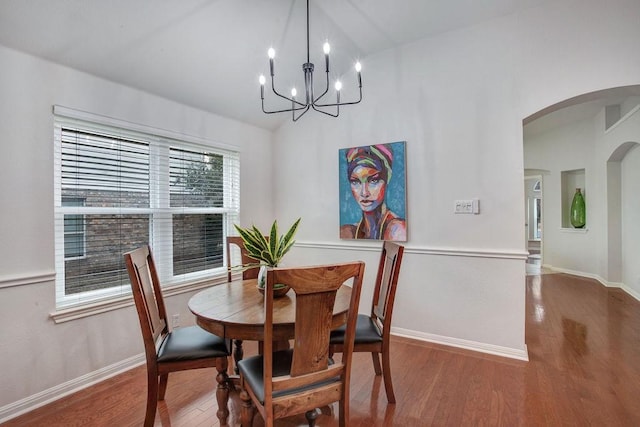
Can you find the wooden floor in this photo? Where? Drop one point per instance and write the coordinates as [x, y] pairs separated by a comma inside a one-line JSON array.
[[584, 370]]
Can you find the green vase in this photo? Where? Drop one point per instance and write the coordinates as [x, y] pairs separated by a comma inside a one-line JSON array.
[[578, 210]]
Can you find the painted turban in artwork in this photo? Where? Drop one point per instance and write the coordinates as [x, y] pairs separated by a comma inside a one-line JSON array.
[[379, 157]]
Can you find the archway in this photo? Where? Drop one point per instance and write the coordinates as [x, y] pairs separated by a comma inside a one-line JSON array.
[[606, 231]]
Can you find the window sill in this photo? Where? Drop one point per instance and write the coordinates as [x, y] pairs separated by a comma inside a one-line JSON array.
[[574, 230], [79, 311]]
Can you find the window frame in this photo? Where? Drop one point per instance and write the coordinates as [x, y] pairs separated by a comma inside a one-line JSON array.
[[158, 140]]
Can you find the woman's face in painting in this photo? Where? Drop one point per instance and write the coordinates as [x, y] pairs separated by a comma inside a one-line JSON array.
[[368, 187]]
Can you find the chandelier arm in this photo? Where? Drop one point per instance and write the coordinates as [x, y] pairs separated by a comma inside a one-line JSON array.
[[293, 114], [281, 111], [335, 104], [273, 88], [325, 112], [320, 96]]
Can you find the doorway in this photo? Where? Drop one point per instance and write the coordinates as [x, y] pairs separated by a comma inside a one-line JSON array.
[[533, 191]]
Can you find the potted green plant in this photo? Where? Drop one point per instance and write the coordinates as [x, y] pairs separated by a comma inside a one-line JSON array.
[[267, 252]]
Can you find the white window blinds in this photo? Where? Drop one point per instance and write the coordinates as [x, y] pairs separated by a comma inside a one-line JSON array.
[[118, 189]]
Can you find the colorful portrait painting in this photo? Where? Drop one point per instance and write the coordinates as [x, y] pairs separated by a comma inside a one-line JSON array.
[[373, 192]]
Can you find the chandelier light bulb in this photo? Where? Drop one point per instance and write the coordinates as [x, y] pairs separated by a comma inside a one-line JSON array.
[[293, 92], [326, 48], [358, 67], [271, 52], [262, 80], [338, 85]]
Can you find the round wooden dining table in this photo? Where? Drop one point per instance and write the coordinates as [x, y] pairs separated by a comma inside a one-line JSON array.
[[235, 310]]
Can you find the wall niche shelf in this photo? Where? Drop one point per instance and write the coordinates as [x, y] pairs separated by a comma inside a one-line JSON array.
[[574, 230], [569, 181]]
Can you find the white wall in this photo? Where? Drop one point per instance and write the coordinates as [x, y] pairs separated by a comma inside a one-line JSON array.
[[458, 99], [451, 99], [631, 219], [37, 354], [572, 47]]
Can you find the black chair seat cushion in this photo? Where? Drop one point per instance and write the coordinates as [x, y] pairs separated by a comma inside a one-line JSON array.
[[190, 343], [366, 332], [252, 369]]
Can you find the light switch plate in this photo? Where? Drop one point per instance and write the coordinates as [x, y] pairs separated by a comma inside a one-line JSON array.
[[468, 206]]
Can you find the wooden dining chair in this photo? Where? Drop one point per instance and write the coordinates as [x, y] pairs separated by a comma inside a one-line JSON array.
[[301, 379], [169, 350], [373, 331], [250, 273]]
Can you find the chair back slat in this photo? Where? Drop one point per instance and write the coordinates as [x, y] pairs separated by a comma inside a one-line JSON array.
[[315, 289], [311, 342], [156, 323], [386, 281], [147, 296], [250, 273]]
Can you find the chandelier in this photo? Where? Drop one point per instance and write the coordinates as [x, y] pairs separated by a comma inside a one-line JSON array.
[[299, 107]]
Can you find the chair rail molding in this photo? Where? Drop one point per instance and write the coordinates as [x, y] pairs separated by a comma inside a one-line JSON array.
[[67, 314], [27, 279], [374, 246]]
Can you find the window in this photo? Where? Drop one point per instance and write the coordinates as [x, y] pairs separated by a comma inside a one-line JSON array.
[[74, 230], [118, 189]]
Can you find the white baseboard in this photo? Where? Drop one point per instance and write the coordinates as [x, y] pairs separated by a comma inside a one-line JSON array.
[[496, 350], [54, 393], [632, 292]]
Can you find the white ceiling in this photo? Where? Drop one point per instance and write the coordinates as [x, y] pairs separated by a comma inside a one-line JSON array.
[[208, 53]]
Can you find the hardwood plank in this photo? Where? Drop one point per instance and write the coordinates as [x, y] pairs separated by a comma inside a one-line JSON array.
[[584, 369]]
